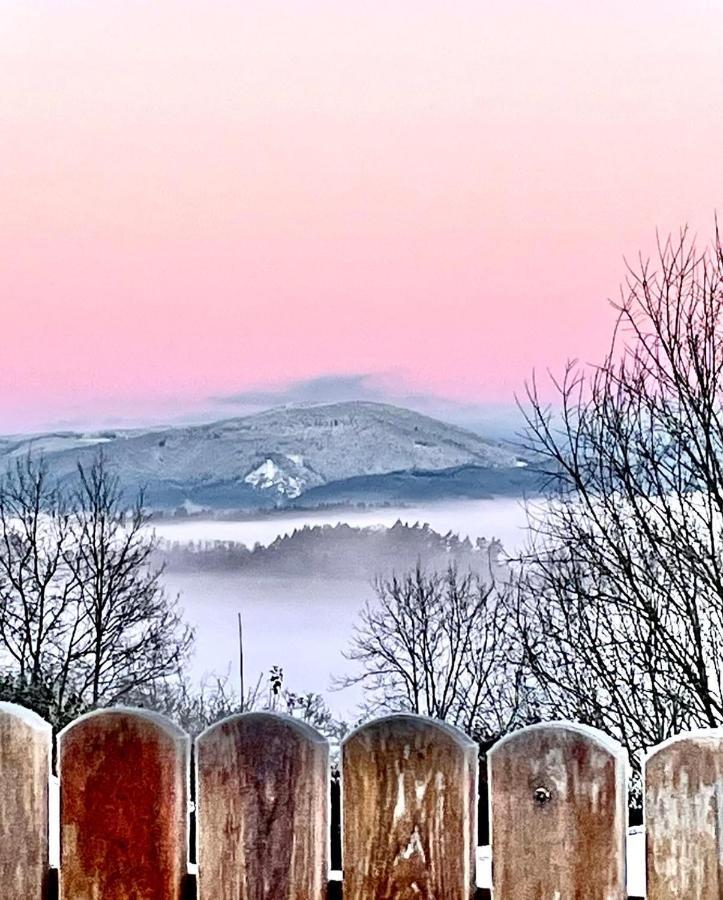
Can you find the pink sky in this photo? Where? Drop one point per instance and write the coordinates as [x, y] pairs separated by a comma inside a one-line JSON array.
[[202, 197]]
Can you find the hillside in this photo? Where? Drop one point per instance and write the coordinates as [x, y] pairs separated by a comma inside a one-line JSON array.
[[276, 457]]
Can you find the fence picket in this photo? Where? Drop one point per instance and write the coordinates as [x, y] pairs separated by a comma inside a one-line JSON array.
[[557, 794], [25, 747], [409, 811], [684, 817], [123, 806], [559, 812], [263, 809]]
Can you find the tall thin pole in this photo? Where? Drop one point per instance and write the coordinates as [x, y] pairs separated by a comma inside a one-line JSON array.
[[241, 660]]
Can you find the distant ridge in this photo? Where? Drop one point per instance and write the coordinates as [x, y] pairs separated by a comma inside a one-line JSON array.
[[309, 454]]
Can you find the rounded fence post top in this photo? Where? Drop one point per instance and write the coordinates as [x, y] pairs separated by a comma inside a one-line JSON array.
[[702, 736], [129, 713], [562, 726], [415, 721], [24, 715], [264, 718]]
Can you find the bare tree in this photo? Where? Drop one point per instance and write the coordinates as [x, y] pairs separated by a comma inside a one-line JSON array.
[[133, 632], [37, 636], [441, 644], [84, 620], [621, 592]]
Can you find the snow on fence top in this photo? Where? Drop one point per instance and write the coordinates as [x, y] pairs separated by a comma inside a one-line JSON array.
[[409, 811]]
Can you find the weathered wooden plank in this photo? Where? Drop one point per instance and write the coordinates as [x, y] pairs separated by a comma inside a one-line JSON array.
[[263, 809], [684, 817], [559, 805], [409, 811], [25, 749], [123, 807]]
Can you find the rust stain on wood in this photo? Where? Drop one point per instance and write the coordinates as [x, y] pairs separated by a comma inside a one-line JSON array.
[[263, 801], [559, 806], [409, 811], [25, 745], [123, 807], [684, 818]]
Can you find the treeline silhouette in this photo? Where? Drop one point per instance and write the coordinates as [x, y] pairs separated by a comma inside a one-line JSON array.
[[340, 551]]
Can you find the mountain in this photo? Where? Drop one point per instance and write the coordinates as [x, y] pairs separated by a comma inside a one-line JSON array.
[[286, 456], [420, 486]]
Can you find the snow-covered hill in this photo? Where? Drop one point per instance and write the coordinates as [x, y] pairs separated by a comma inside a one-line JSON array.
[[272, 457]]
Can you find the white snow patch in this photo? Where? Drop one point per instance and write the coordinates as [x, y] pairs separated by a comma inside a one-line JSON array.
[[269, 476]]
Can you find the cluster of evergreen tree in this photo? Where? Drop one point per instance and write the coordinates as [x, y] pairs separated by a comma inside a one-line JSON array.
[[340, 551]]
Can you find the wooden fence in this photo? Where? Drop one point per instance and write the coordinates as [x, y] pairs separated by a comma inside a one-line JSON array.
[[557, 797]]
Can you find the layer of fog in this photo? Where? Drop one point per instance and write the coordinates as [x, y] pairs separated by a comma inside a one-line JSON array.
[[502, 517], [299, 624], [303, 624]]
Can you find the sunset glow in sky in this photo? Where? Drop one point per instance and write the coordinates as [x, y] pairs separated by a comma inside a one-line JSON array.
[[200, 198]]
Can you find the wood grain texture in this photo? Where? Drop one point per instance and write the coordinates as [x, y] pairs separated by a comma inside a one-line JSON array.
[[123, 807], [559, 814], [263, 810], [684, 818], [409, 811], [25, 748]]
